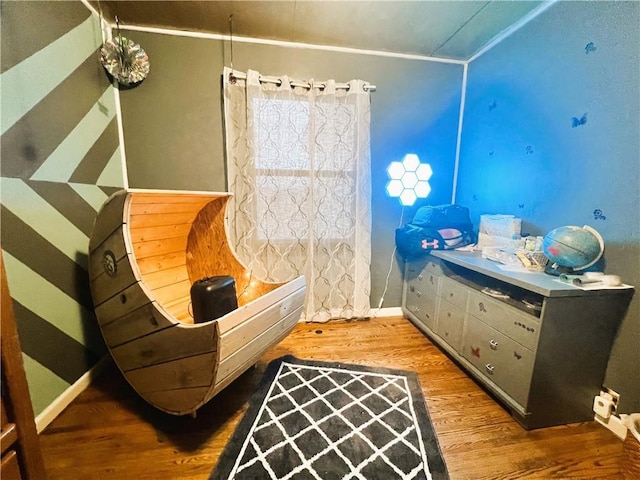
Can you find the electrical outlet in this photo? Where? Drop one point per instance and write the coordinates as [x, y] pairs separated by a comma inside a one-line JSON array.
[[614, 396]]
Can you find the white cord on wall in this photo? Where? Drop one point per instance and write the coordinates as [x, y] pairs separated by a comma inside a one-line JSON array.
[[386, 283]]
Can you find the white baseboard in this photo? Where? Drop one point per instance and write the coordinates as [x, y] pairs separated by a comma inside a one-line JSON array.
[[387, 312], [59, 404], [375, 313]]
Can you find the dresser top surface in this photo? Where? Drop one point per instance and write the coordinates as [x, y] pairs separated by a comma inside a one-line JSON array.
[[538, 282]]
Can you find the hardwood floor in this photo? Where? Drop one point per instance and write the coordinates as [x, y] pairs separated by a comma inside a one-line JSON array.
[[108, 432]]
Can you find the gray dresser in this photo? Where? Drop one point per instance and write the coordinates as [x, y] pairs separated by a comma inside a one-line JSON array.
[[539, 346]]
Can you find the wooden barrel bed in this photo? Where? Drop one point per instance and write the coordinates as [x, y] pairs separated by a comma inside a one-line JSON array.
[[146, 251]]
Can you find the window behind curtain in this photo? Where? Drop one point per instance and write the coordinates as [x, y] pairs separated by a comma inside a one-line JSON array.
[[284, 164], [299, 167]]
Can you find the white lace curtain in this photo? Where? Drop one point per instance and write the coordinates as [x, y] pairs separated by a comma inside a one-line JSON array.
[[298, 164]]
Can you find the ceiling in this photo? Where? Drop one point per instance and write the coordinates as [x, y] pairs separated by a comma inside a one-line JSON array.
[[450, 29]]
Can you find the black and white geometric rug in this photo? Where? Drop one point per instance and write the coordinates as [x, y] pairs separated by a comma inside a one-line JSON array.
[[317, 420]]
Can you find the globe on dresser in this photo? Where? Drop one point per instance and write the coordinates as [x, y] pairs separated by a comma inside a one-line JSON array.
[[572, 249]]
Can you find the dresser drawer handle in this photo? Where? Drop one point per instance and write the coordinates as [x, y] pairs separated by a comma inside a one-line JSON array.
[[493, 344], [489, 368], [418, 293]]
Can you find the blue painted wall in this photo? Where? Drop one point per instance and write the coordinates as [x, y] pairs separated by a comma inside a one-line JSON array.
[[551, 134]]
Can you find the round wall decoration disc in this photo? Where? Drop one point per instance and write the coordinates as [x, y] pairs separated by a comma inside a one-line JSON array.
[[124, 60]]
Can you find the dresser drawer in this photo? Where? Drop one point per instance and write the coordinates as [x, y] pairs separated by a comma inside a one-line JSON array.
[[505, 362], [453, 292], [523, 328], [433, 266], [426, 264], [424, 284], [450, 322], [423, 307]]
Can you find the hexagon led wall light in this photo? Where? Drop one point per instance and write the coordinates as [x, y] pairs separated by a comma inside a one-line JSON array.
[[409, 179]]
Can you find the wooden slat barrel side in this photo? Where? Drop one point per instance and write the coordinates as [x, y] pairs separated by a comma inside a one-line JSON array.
[[128, 300], [114, 285], [209, 254], [167, 399], [139, 332], [159, 365], [247, 333], [108, 272], [172, 369], [110, 217], [174, 343], [252, 327], [178, 387], [135, 324], [115, 243], [150, 348], [143, 262]]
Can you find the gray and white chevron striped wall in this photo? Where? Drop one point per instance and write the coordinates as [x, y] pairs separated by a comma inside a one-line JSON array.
[[60, 160]]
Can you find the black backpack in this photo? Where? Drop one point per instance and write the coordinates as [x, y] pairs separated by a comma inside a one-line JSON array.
[[443, 227]]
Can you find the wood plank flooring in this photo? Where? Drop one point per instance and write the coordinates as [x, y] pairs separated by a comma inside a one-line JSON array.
[[108, 432]]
